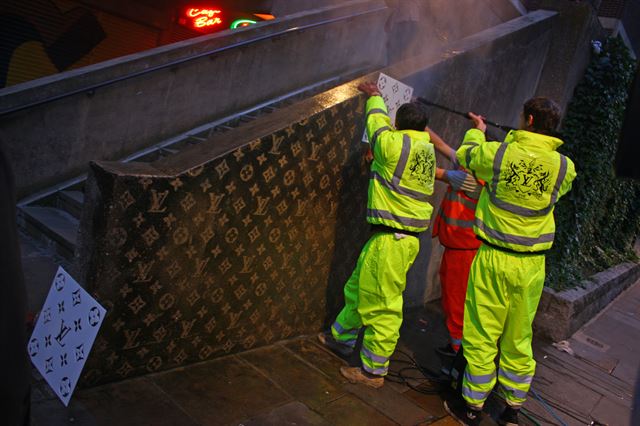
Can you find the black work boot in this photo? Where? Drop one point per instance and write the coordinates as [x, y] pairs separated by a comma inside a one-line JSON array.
[[509, 417], [464, 414], [338, 348]]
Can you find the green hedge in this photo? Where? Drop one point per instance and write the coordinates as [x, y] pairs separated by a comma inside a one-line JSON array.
[[598, 221]]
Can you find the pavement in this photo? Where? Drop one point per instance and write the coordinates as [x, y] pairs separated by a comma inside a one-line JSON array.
[[589, 378], [586, 380]]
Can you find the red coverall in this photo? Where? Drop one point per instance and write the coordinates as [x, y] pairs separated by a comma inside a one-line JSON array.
[[454, 228]]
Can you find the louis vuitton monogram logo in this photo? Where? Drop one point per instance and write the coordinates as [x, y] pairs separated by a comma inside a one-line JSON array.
[[208, 257]]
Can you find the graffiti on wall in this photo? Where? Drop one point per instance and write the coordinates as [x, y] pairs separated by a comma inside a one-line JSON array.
[[244, 250], [38, 38]]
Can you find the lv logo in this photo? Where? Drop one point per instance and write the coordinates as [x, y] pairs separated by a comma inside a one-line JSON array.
[[157, 201]]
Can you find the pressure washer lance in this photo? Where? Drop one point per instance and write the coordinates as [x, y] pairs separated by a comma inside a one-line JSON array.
[[463, 114]]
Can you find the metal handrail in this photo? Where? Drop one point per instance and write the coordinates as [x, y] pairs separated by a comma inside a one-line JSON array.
[[90, 89]]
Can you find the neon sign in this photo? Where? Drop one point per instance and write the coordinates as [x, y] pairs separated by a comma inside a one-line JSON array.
[[241, 23], [204, 19]]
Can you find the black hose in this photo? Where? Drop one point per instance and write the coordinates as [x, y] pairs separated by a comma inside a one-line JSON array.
[[463, 114]]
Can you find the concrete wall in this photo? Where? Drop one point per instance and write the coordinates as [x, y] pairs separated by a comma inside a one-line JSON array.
[[52, 142], [570, 51], [249, 237]]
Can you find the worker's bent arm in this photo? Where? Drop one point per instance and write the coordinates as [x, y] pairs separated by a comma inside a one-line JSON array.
[[378, 123], [476, 154], [441, 146]]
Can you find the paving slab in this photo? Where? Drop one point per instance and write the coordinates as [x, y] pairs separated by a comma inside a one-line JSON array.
[[593, 351], [611, 413], [295, 377], [220, 392], [585, 373], [130, 403], [349, 410], [564, 388], [447, 421], [616, 333], [394, 405], [432, 403], [298, 382], [291, 414], [595, 384], [319, 357]]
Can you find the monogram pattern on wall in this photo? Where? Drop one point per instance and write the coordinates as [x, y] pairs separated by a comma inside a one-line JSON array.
[[247, 249]]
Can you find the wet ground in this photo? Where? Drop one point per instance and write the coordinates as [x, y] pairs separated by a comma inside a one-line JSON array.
[[587, 380]]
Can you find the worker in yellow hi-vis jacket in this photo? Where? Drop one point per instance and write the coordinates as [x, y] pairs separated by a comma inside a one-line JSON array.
[[525, 176], [402, 178]]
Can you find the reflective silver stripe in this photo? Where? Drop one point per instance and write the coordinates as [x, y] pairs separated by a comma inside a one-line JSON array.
[[497, 165], [341, 330], [407, 221], [514, 239], [376, 111], [479, 396], [454, 196], [376, 134], [515, 392], [513, 208], [516, 378], [562, 173], [479, 379], [395, 187], [404, 158], [456, 222], [376, 371], [373, 357]]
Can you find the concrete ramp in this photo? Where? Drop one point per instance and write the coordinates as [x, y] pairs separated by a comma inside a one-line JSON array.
[[248, 237]]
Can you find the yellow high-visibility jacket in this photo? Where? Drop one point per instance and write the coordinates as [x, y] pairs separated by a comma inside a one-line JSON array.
[[525, 177], [402, 173]]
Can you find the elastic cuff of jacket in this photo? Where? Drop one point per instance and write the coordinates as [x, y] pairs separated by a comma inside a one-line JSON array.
[[474, 135]]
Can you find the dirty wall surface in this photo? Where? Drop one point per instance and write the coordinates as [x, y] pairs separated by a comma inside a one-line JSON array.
[[249, 237], [231, 254]]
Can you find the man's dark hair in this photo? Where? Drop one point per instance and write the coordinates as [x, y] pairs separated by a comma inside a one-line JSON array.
[[546, 115], [411, 116]]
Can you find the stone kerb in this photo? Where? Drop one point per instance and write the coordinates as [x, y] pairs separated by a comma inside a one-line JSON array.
[[561, 313], [235, 251]]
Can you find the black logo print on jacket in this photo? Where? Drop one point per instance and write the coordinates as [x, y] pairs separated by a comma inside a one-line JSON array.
[[527, 179], [421, 166]]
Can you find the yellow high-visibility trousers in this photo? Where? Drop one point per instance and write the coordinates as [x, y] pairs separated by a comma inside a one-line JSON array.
[[503, 293], [373, 299]]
